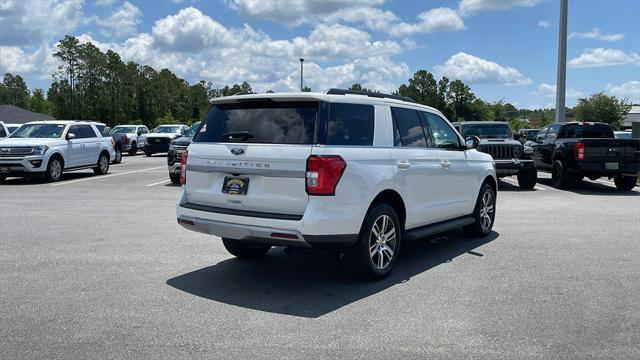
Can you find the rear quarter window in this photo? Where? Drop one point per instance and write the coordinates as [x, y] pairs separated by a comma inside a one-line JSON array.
[[350, 124]]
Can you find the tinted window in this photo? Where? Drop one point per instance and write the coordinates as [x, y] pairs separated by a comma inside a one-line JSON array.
[[443, 135], [123, 130], [82, 131], [350, 124], [587, 131], [2, 132], [409, 126], [192, 129], [493, 131], [144, 130], [268, 122], [103, 129]]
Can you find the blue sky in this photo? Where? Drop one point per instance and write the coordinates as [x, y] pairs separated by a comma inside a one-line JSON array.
[[504, 49]]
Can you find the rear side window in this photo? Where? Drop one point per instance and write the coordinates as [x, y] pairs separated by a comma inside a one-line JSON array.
[[350, 124], [266, 122], [587, 131], [409, 127]]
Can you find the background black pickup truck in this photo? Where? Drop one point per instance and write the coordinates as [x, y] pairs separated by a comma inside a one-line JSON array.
[[572, 151]]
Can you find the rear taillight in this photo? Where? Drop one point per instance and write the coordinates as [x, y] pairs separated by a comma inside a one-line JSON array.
[[578, 151], [323, 174], [183, 167], [125, 139]]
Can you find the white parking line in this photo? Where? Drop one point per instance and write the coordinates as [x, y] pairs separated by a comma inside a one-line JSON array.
[[515, 182], [158, 183], [104, 176]]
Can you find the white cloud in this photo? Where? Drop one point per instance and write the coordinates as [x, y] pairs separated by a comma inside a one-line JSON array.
[[28, 22], [434, 20], [549, 90], [294, 12], [196, 47], [39, 62], [630, 90], [603, 57], [104, 2], [472, 7], [597, 35], [544, 23], [123, 21], [472, 69]]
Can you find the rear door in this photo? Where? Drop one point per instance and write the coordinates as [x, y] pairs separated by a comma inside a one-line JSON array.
[[417, 169], [251, 156]]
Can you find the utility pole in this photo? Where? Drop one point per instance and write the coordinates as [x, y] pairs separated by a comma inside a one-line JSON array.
[[561, 83], [301, 74]]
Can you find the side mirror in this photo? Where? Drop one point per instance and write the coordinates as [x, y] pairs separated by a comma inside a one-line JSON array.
[[472, 142], [139, 132], [516, 136], [71, 136]]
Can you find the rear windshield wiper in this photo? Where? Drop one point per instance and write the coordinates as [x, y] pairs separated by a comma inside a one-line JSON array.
[[238, 134]]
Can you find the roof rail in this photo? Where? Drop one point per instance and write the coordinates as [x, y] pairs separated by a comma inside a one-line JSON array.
[[368, 93]]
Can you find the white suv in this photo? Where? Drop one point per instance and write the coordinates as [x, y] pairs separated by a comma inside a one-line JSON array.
[[355, 171], [48, 148]]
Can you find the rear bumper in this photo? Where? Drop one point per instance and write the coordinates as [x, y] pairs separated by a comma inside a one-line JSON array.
[[598, 169], [512, 167], [316, 228]]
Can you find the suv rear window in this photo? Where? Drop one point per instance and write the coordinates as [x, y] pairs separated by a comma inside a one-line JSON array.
[[586, 131], [267, 122], [350, 124]]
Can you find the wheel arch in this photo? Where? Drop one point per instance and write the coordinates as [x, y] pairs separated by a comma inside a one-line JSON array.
[[104, 151], [393, 199], [56, 154]]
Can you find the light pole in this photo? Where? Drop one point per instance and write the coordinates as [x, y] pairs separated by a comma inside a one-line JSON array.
[[561, 82], [301, 74]]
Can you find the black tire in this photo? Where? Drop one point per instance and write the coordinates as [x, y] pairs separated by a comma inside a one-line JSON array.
[[527, 178], [625, 183], [55, 168], [148, 153], [379, 242], [484, 213], [560, 178], [134, 149], [102, 166], [245, 251], [175, 178], [117, 159]]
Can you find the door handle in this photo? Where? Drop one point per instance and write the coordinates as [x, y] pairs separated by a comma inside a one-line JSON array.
[[445, 164], [403, 164]]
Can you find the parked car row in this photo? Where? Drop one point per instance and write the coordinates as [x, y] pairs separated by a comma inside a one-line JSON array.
[[46, 149]]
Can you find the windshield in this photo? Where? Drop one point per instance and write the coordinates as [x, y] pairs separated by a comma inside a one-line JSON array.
[[123, 130], [193, 129], [50, 131], [493, 131], [12, 128], [166, 130]]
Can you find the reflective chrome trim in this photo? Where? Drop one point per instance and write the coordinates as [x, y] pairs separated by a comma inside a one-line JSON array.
[[248, 233], [238, 170], [513, 161]]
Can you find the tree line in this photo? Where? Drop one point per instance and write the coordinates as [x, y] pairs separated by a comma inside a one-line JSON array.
[[94, 85]]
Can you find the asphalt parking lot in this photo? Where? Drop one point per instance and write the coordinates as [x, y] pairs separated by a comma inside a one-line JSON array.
[[97, 267]]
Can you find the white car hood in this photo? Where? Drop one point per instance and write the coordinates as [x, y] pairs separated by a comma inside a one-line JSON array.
[[31, 142]]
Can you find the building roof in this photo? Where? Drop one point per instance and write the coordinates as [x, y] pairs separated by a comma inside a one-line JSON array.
[[10, 114]]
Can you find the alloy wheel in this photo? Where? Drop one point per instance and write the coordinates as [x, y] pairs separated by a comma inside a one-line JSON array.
[[56, 169], [104, 164], [382, 242], [486, 211]]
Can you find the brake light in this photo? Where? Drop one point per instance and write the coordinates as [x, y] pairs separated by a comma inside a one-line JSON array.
[[323, 174], [183, 167], [578, 151], [125, 139]]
